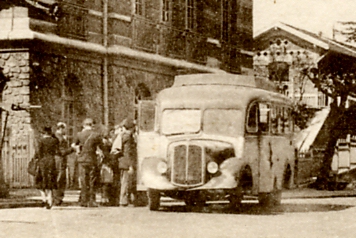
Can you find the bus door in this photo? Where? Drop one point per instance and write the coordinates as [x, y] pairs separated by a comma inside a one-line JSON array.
[[266, 149], [146, 138], [277, 147]]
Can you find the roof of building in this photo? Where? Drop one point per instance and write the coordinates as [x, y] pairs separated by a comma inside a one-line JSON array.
[[320, 41]]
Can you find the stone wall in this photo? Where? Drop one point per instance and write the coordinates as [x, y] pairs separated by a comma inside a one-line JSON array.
[[124, 82], [58, 83], [15, 67], [58, 80], [18, 143]]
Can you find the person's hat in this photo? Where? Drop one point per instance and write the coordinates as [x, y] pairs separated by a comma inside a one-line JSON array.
[[88, 122], [47, 130], [127, 123], [61, 125]]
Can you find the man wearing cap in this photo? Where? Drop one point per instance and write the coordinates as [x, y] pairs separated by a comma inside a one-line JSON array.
[[61, 163], [127, 163], [88, 141]]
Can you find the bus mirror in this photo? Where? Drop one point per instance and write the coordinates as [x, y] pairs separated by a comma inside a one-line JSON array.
[[146, 116]]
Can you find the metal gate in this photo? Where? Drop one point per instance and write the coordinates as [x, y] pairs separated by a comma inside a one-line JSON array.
[[17, 152]]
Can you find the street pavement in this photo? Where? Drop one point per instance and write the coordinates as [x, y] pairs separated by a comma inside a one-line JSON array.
[[295, 218], [31, 197]]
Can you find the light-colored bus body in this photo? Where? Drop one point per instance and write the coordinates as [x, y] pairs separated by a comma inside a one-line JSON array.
[[217, 137]]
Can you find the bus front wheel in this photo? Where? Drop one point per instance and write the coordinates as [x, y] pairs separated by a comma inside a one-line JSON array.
[[154, 197], [235, 197]]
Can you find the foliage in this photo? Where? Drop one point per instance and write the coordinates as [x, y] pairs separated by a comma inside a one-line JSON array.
[[334, 77], [349, 31], [302, 114]]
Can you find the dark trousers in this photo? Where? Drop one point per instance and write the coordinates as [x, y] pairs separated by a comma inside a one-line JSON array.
[[111, 191], [88, 175], [61, 180]]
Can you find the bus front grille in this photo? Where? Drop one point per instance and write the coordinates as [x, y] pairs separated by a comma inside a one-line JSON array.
[[188, 165]]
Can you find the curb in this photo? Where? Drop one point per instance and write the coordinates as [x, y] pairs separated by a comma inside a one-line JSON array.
[[72, 198], [20, 204], [318, 196]]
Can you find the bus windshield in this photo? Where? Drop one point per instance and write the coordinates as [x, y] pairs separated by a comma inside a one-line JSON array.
[[180, 121], [222, 122], [216, 121]]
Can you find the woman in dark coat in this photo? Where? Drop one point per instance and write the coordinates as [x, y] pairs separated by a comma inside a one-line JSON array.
[[48, 147]]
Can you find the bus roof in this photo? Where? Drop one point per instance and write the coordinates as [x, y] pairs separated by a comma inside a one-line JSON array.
[[222, 96], [224, 79]]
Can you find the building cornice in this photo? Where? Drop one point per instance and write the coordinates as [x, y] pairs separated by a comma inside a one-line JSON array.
[[119, 17], [111, 50]]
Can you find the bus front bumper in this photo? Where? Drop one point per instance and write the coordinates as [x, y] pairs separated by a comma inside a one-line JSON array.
[[225, 179]]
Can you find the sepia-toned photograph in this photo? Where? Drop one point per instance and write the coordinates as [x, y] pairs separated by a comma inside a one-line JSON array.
[[177, 118]]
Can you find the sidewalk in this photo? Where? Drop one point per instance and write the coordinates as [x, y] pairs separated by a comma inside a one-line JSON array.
[[20, 198], [313, 193]]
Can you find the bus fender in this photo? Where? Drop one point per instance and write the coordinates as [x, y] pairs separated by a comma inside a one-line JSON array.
[[151, 178], [228, 175]]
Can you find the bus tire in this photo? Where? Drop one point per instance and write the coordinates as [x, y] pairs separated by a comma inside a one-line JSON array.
[[287, 178], [141, 199], [235, 197], [154, 198]]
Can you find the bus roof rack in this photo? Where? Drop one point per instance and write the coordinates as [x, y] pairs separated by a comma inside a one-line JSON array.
[[224, 79]]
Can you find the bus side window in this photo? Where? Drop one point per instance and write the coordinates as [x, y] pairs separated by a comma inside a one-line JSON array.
[[291, 121], [264, 112], [286, 119], [252, 119], [274, 120], [280, 120]]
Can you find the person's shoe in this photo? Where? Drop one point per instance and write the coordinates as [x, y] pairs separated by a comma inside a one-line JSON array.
[[93, 204], [57, 203], [48, 206], [124, 205]]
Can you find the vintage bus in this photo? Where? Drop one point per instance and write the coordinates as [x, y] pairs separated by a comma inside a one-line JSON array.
[[213, 137]]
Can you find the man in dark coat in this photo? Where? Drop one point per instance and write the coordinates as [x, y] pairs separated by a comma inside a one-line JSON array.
[[127, 163], [88, 141], [61, 163]]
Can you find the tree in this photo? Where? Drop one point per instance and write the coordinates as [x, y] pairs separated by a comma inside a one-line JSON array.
[[348, 30], [334, 77]]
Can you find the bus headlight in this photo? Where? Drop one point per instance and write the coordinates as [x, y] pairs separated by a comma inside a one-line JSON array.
[[162, 167], [212, 167]]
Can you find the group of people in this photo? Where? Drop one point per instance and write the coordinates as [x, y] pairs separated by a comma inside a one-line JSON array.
[[106, 160]]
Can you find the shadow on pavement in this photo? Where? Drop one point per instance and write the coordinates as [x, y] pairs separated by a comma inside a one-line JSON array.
[[256, 209]]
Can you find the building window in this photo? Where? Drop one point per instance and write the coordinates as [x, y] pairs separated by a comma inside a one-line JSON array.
[[225, 20], [278, 72], [190, 14], [166, 10], [139, 7]]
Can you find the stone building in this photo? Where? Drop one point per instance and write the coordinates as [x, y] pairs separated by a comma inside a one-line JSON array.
[[96, 58], [281, 52]]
